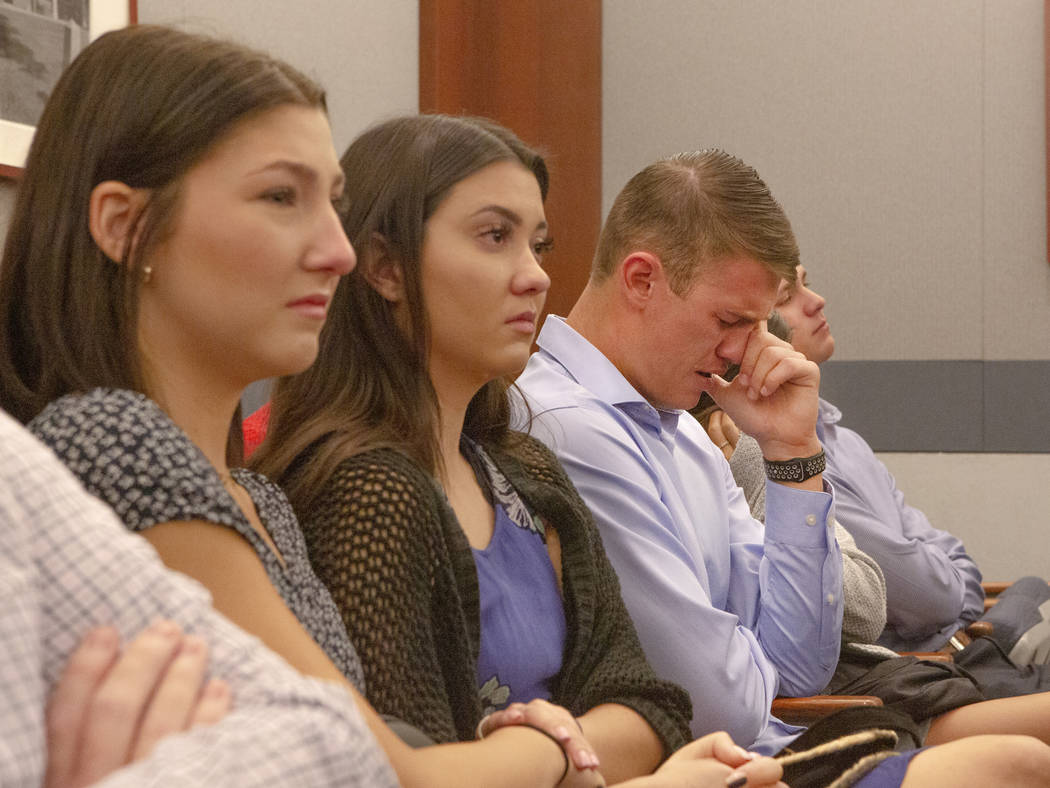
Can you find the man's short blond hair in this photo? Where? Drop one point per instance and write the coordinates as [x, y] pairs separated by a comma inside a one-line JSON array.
[[694, 209]]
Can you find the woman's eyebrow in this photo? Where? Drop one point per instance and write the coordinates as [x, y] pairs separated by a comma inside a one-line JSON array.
[[512, 216], [303, 172]]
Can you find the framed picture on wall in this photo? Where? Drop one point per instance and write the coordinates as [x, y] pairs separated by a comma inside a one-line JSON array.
[[38, 39]]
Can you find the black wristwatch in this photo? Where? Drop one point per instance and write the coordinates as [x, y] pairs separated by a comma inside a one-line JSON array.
[[797, 469]]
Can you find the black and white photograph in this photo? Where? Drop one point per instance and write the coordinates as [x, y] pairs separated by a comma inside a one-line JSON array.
[[38, 39]]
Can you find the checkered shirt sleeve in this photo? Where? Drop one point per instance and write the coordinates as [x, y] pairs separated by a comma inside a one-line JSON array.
[[67, 565]]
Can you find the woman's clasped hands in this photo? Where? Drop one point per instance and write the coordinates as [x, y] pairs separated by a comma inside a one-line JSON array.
[[555, 722], [712, 761]]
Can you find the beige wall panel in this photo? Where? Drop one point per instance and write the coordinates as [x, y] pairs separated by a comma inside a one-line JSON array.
[[1016, 274], [864, 118], [364, 52], [990, 501]]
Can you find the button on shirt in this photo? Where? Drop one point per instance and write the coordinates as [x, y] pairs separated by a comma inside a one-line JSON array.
[[933, 587], [733, 613]]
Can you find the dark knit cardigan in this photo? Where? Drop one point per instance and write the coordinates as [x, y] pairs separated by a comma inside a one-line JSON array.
[[385, 541]]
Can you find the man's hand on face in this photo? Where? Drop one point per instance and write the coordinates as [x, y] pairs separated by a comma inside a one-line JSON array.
[[774, 397]]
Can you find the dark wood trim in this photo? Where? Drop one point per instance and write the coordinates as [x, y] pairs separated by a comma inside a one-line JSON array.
[[535, 67]]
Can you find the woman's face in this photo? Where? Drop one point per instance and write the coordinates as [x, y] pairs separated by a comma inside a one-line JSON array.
[[483, 285], [240, 285]]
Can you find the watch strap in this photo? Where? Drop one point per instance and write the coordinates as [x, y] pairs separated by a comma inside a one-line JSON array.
[[797, 469]]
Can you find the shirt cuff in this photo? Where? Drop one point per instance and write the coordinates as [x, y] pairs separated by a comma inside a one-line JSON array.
[[798, 517]]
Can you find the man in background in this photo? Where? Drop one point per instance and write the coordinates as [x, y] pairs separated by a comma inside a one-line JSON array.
[[933, 587]]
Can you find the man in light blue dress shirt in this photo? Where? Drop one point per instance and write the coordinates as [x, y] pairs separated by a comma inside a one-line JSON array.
[[933, 586], [689, 265]]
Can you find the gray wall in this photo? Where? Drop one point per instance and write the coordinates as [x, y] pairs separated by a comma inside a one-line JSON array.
[[365, 52], [906, 141]]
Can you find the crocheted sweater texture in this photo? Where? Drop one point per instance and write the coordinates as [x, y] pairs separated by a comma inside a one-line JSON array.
[[385, 541]]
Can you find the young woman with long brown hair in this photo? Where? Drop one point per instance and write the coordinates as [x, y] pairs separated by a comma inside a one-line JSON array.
[[456, 548]]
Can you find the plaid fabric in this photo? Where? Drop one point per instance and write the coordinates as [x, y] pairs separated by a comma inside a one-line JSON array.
[[66, 565]]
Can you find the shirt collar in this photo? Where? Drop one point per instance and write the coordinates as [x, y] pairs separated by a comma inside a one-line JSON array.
[[589, 367], [827, 413], [827, 416]]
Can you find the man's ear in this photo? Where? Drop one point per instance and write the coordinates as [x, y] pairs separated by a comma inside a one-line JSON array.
[[384, 271], [641, 273], [112, 214]]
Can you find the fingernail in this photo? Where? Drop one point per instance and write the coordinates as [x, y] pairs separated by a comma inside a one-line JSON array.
[[736, 780], [561, 733], [594, 760], [747, 756], [765, 392], [581, 760]]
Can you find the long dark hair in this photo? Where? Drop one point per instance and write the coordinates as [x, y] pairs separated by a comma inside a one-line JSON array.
[[140, 105], [370, 386]]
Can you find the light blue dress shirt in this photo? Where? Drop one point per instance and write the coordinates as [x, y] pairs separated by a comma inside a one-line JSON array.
[[732, 612], [933, 588]]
